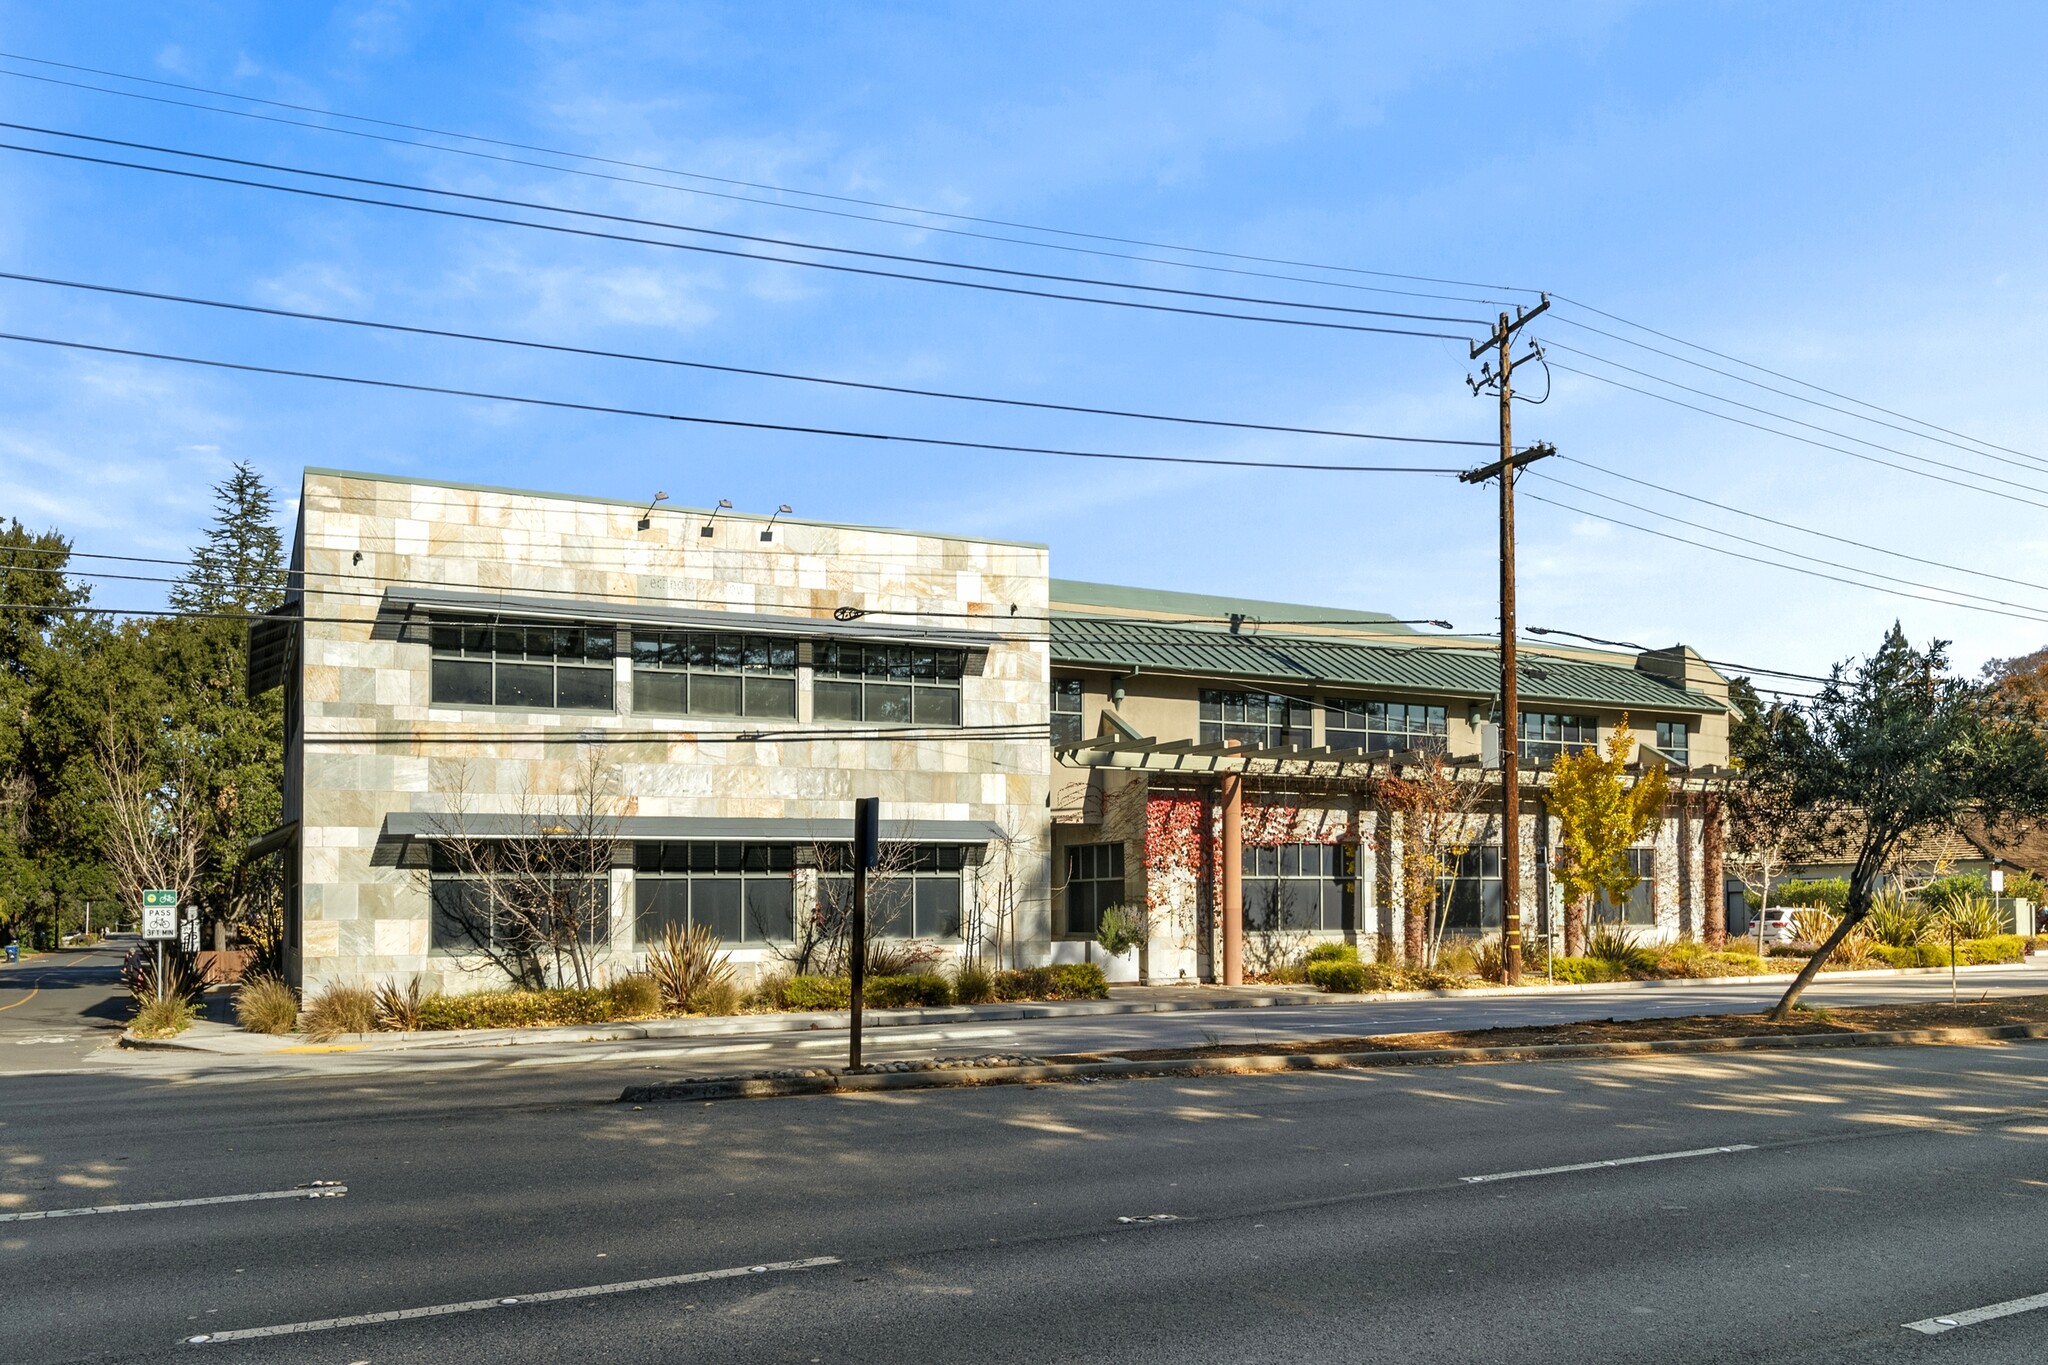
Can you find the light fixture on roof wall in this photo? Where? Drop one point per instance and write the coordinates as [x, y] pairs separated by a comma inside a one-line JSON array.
[[647, 517], [707, 530], [768, 531]]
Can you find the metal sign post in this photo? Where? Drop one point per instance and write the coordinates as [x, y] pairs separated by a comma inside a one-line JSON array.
[[160, 924], [867, 852]]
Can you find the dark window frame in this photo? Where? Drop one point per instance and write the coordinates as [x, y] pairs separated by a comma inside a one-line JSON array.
[[509, 655], [1273, 882], [1374, 726], [934, 874], [759, 670], [1261, 720], [1640, 910], [1094, 882], [446, 877], [671, 870], [1470, 892], [1680, 751], [1066, 721], [864, 684], [1556, 732]]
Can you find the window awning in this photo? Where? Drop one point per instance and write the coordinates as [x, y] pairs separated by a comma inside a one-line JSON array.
[[404, 825], [406, 604]]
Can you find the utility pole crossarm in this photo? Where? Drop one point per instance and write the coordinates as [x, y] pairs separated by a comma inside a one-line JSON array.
[[1506, 331], [1493, 471]]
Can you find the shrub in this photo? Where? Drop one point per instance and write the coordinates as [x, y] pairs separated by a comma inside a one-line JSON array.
[[1970, 917], [817, 993], [1457, 959], [1067, 981], [1994, 948], [1491, 964], [1333, 952], [1831, 893], [974, 985], [634, 997], [341, 1009], [1895, 922], [163, 1018], [1119, 931], [1814, 925], [1336, 975], [901, 957], [1619, 950], [266, 1004], [715, 998], [516, 1009], [689, 971], [1944, 892], [909, 991], [1583, 971], [2039, 943], [399, 1010]]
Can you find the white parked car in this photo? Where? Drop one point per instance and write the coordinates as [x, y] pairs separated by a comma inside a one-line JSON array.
[[1777, 925]]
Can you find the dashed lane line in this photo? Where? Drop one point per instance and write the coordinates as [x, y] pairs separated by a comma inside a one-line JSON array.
[[319, 1189], [442, 1310], [1604, 1165], [1948, 1322]]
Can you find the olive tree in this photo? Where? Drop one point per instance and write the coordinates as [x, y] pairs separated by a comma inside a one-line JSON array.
[[1886, 750]]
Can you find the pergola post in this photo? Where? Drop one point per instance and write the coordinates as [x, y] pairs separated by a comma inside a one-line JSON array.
[[1232, 908]]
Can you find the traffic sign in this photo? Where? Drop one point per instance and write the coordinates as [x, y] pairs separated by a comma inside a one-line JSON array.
[[159, 914]]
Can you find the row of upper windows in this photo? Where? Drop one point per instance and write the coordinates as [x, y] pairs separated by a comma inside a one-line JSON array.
[[1264, 720], [693, 673]]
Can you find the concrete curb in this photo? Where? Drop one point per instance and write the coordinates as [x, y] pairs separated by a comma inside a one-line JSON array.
[[238, 1044], [770, 1087]]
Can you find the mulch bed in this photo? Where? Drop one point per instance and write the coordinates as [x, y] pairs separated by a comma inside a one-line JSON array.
[[2023, 1009]]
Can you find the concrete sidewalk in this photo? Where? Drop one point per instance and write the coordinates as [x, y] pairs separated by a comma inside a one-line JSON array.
[[222, 1039]]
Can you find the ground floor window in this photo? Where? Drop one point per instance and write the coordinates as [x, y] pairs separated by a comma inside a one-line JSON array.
[[1300, 887], [497, 898], [917, 892], [1095, 881], [1469, 894], [741, 892], [1639, 909]]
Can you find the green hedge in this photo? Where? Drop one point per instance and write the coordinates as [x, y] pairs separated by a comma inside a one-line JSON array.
[[1067, 981], [1332, 952], [817, 993], [1335, 974], [906, 992], [519, 1009]]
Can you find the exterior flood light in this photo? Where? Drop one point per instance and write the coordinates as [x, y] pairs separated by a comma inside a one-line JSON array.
[[768, 531], [707, 530], [647, 517]]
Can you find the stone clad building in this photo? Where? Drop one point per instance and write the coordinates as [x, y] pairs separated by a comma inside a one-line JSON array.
[[713, 690], [481, 682]]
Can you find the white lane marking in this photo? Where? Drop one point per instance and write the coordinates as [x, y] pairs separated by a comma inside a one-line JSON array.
[[1603, 1165], [1948, 1322], [317, 1190], [442, 1310]]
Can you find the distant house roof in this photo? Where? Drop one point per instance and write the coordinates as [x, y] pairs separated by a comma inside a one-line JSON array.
[[1455, 669]]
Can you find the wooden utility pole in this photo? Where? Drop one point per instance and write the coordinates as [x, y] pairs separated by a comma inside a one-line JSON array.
[[1510, 748]]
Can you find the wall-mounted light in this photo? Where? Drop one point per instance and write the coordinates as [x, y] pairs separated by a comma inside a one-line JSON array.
[[706, 530], [647, 517], [768, 531]]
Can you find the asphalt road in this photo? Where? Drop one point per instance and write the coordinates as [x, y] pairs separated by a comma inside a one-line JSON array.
[[58, 1009], [1316, 1216]]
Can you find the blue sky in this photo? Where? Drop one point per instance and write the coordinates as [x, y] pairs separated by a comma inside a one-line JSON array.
[[1851, 195]]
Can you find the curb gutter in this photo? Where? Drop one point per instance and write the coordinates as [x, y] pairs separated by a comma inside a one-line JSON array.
[[237, 1043], [826, 1082]]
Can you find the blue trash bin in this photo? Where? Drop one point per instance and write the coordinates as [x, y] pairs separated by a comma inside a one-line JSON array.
[[14, 952]]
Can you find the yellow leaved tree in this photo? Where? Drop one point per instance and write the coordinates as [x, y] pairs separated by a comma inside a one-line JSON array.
[[1601, 813]]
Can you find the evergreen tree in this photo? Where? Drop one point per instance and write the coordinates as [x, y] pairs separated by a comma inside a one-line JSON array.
[[241, 566]]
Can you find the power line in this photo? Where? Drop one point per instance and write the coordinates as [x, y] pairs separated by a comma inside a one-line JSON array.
[[1784, 417], [503, 201], [601, 354], [1777, 564], [1822, 445], [751, 199], [748, 184], [1768, 545], [1787, 393], [1803, 530], [1790, 379], [609, 410]]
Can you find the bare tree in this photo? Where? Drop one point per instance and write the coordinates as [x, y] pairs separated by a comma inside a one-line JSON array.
[[531, 891], [156, 827], [1436, 832]]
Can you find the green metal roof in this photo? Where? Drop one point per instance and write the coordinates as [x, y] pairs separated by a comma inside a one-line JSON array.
[[1068, 592], [1456, 670]]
